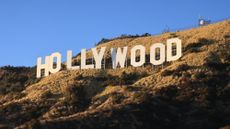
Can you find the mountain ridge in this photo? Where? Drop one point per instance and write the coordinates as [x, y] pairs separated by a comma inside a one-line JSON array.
[[192, 92]]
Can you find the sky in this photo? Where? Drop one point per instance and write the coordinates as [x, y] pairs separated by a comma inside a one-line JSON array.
[[34, 28]]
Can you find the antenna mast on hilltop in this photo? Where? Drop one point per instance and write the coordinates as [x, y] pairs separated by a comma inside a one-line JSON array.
[[202, 21]]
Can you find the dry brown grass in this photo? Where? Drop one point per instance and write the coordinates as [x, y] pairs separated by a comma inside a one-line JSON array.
[[103, 96]]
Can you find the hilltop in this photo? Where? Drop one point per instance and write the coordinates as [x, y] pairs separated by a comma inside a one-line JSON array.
[[191, 93]]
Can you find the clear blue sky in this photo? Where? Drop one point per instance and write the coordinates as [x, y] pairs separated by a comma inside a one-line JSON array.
[[32, 28]]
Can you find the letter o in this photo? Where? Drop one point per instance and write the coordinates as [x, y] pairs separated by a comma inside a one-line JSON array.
[[133, 55], [153, 54], [58, 63]]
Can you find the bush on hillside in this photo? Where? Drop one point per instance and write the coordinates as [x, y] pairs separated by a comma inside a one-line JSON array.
[[123, 36], [34, 124], [198, 75], [223, 52], [168, 91], [213, 61], [130, 78], [15, 79], [182, 67], [74, 93], [167, 73], [173, 35], [226, 36]]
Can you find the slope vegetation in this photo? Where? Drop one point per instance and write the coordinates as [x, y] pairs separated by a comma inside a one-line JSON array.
[[191, 93]]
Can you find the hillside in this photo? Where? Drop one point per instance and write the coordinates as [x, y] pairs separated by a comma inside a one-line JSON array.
[[191, 93]]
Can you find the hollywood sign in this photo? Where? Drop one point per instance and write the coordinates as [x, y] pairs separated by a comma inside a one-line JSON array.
[[119, 57]]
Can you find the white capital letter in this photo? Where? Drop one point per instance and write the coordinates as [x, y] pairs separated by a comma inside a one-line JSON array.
[[133, 56], [83, 61], [170, 42], [56, 55], [153, 54], [69, 61], [98, 56], [41, 66], [119, 57]]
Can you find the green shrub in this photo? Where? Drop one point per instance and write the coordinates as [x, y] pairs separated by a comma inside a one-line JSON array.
[[34, 124], [129, 78], [47, 94], [74, 94], [79, 77], [15, 79], [182, 67], [186, 75], [168, 91], [167, 73], [173, 35], [194, 50], [117, 97], [226, 36], [141, 96], [213, 61], [198, 75], [123, 36]]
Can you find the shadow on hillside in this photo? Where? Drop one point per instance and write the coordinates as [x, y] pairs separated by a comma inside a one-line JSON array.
[[202, 103], [195, 47], [15, 114], [170, 108]]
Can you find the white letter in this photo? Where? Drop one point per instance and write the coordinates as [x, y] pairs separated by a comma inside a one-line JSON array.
[[142, 56], [118, 57], [56, 55], [83, 60], [98, 57], [69, 61], [170, 42], [41, 66], [153, 54]]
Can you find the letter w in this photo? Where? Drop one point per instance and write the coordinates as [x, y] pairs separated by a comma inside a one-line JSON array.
[[119, 57]]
